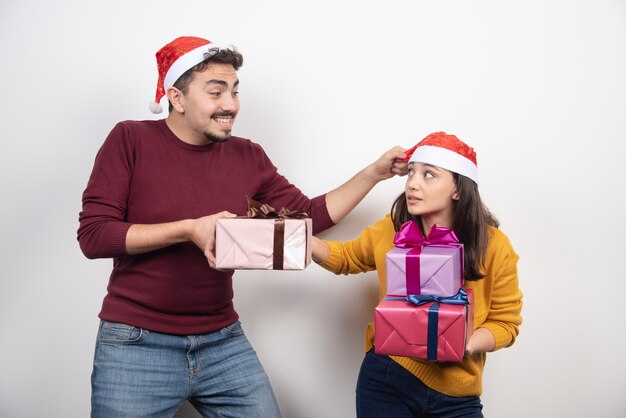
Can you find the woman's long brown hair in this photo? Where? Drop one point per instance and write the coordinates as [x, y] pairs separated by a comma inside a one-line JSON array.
[[470, 222]]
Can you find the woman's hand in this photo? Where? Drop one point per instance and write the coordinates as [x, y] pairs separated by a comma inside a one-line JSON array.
[[481, 341], [320, 250]]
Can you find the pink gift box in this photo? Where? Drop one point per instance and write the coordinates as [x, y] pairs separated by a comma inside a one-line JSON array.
[[440, 271], [248, 243], [405, 329]]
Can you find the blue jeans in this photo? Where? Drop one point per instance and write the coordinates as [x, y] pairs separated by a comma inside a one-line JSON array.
[[386, 389], [140, 373]]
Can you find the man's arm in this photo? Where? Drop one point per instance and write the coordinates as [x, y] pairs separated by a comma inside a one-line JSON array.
[[145, 238], [340, 201], [344, 198]]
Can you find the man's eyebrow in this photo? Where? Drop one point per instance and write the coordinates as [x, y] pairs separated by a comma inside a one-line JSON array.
[[216, 81], [222, 82]]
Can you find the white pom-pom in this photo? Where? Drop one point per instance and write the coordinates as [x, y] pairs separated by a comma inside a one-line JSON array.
[[156, 107]]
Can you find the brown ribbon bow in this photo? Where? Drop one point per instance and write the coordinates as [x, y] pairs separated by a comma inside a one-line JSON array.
[[264, 211]]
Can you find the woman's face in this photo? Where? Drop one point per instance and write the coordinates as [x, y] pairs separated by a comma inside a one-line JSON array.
[[430, 192]]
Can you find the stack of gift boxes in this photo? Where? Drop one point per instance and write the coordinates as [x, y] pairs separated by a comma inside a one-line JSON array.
[[426, 313]]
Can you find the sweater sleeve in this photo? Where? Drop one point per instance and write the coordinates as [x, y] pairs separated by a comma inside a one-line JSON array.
[[504, 316], [102, 226], [278, 192], [355, 256]]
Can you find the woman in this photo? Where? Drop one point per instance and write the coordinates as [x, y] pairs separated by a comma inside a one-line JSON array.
[[442, 189]]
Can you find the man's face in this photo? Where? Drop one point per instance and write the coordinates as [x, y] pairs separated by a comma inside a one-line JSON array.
[[212, 103]]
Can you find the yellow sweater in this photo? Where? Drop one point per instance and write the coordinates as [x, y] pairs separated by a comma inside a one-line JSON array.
[[497, 298]]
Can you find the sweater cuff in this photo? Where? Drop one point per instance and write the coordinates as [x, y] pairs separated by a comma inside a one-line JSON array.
[[333, 262], [500, 335], [118, 237], [319, 212]]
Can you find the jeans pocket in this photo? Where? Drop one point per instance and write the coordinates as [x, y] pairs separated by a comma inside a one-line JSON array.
[[118, 333], [233, 330]]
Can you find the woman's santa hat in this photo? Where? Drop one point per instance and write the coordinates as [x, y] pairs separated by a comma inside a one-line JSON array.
[[174, 59], [445, 151]]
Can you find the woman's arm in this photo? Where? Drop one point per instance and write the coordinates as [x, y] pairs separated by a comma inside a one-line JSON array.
[[354, 256], [505, 302]]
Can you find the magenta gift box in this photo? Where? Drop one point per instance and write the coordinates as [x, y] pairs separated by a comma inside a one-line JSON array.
[[427, 331], [249, 243], [440, 271]]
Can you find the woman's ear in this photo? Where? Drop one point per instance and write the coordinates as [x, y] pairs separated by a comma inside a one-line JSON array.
[[456, 196]]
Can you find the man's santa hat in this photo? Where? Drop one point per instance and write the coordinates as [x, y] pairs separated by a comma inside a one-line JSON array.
[[445, 151], [174, 59]]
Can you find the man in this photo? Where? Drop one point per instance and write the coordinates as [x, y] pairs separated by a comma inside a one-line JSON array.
[[168, 331]]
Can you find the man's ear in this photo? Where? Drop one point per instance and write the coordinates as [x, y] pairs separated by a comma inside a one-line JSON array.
[[177, 99]]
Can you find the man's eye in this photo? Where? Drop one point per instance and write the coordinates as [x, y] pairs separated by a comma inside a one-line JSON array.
[[235, 93], [216, 93]]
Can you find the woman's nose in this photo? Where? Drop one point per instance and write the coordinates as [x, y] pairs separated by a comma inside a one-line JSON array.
[[413, 182]]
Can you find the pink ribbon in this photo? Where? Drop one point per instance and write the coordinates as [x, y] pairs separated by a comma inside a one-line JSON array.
[[410, 236]]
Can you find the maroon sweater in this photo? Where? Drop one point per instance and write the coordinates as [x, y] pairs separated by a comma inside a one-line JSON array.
[[144, 174]]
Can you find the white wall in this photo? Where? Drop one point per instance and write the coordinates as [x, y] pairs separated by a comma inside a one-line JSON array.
[[537, 87]]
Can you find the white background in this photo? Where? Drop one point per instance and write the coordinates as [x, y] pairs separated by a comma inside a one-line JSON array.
[[537, 87]]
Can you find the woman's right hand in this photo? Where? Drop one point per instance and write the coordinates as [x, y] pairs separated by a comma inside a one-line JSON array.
[[320, 250]]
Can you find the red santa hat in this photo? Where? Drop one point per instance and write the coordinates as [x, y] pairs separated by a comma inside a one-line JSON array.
[[445, 151], [174, 59]]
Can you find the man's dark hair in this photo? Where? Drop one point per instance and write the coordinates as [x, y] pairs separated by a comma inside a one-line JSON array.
[[222, 56]]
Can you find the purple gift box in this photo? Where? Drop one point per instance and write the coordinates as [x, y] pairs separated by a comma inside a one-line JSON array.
[[424, 266]]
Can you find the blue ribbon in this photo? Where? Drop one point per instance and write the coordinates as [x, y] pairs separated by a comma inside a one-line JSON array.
[[433, 315]]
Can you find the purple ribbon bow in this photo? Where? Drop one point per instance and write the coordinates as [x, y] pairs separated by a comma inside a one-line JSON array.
[[410, 236]]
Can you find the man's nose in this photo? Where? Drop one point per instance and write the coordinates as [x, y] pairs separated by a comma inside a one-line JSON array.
[[228, 102]]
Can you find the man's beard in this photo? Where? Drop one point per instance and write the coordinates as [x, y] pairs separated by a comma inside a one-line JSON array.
[[215, 138]]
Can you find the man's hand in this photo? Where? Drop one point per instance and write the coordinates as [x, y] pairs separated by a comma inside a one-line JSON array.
[[202, 233], [344, 198], [390, 164]]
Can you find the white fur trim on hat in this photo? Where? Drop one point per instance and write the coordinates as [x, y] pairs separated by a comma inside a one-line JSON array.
[[185, 62], [444, 158]]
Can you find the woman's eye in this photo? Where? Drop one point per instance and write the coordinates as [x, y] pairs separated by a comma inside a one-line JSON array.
[[410, 172], [429, 175]]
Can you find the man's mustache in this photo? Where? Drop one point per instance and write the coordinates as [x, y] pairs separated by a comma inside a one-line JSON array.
[[216, 115]]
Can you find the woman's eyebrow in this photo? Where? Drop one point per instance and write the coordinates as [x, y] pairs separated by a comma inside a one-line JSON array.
[[412, 163]]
